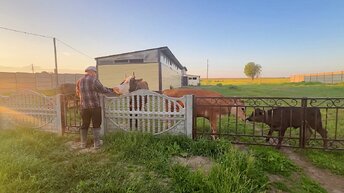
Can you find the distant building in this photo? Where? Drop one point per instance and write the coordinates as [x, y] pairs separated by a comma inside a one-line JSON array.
[[193, 80], [158, 66]]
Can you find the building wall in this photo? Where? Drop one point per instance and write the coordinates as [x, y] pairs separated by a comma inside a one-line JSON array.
[[112, 75], [170, 78]]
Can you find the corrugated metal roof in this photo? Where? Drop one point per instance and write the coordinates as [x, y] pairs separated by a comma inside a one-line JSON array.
[[165, 50]]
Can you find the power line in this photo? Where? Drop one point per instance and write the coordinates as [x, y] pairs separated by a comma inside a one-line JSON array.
[[45, 36], [74, 49], [27, 33]]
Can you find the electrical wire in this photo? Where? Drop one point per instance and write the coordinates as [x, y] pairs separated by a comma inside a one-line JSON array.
[[27, 33], [74, 49], [45, 36]]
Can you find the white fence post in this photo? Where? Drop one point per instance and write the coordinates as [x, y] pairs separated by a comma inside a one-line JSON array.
[[103, 111], [189, 115], [59, 125]]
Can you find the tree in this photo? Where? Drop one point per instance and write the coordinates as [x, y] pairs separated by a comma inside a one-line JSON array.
[[252, 70]]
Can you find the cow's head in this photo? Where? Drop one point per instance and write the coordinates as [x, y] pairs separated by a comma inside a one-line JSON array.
[[238, 108], [123, 87], [133, 84], [258, 115]]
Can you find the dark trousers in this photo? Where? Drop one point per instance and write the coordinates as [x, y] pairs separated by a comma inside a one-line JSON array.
[[93, 114]]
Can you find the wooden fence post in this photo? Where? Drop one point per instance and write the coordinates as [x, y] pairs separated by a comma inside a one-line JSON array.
[[189, 115]]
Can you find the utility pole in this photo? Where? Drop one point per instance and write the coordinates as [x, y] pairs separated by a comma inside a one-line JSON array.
[[34, 75], [207, 69], [56, 72]]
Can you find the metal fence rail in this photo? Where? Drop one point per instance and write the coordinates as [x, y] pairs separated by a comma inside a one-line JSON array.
[[230, 126]]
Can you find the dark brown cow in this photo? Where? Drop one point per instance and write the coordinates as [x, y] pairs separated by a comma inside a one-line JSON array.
[[67, 88], [136, 104], [212, 114], [281, 118], [69, 92]]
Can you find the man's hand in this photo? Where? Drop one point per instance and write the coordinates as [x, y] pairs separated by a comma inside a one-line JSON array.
[[116, 90]]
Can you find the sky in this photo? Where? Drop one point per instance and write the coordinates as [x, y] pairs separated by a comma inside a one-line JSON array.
[[285, 37]]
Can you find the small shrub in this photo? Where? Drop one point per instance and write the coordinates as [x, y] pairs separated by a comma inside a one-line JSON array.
[[219, 84], [232, 87]]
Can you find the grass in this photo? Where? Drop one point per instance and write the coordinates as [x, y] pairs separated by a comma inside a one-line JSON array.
[[241, 81], [33, 161], [281, 90]]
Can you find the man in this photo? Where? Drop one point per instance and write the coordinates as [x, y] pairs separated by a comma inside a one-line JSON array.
[[88, 89]]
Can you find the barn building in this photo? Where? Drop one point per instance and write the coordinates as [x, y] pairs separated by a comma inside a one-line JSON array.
[[158, 66]]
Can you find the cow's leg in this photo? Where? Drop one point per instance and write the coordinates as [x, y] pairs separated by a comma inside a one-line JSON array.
[[269, 136], [308, 133], [323, 132], [213, 126], [280, 137], [267, 139]]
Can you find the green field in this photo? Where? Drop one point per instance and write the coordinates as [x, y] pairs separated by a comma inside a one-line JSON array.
[[280, 89], [241, 81]]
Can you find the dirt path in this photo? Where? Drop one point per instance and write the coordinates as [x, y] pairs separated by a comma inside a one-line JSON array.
[[331, 182]]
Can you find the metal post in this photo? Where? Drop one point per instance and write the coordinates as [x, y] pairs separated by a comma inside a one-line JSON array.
[[207, 70], [56, 71], [332, 78], [194, 117], [16, 77], [302, 139]]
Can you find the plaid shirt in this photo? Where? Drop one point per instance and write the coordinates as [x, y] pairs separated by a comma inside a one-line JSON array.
[[87, 88]]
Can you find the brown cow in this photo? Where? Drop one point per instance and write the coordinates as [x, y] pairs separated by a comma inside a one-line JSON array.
[[281, 118], [136, 104], [69, 93], [210, 113]]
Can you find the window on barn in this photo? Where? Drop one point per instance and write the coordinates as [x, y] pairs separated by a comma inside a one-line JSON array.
[[195, 78], [121, 61], [136, 61]]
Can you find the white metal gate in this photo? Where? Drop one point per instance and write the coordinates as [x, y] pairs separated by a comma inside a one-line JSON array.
[[147, 111], [31, 109]]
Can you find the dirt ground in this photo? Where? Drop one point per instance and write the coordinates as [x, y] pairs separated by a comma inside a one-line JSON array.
[[331, 182]]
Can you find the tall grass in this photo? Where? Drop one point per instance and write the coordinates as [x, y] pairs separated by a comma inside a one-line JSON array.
[[33, 161]]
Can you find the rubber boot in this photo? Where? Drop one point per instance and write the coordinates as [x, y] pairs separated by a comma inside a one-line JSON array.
[[96, 138], [83, 138]]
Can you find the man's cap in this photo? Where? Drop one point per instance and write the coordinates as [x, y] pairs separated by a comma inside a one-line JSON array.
[[91, 68]]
